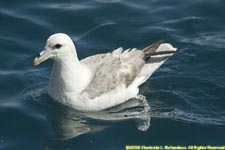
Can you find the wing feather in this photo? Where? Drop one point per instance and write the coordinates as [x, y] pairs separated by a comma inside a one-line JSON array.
[[122, 67], [111, 71]]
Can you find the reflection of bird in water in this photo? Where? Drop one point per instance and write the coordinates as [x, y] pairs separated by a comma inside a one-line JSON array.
[[101, 81], [69, 123]]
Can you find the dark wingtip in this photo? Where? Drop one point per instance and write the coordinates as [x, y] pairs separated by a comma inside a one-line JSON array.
[[151, 50], [153, 47], [162, 53]]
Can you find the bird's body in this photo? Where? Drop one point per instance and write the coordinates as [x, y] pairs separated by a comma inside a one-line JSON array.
[[101, 81]]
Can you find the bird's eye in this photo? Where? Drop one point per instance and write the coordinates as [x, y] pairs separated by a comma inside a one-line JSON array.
[[57, 46]]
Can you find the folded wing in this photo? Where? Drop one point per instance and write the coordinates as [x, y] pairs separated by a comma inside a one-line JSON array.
[[117, 68]]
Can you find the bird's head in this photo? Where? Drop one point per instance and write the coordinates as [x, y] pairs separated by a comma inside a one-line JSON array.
[[57, 47]]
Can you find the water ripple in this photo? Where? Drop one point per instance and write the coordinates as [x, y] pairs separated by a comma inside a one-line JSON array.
[[67, 6], [188, 88], [207, 39], [26, 17]]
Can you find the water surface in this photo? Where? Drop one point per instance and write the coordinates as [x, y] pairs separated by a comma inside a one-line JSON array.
[[186, 95]]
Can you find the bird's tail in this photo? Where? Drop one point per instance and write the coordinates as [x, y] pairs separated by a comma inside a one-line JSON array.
[[151, 50], [154, 55]]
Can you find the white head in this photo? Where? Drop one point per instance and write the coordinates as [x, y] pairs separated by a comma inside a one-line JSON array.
[[58, 46]]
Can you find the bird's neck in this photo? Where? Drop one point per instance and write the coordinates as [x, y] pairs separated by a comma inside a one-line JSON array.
[[68, 76]]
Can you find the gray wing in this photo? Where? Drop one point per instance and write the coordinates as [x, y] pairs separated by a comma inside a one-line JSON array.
[[119, 68], [113, 69]]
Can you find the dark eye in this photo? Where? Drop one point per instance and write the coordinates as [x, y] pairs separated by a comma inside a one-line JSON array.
[[57, 46]]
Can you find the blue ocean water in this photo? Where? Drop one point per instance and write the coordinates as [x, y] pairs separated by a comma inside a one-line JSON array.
[[186, 95]]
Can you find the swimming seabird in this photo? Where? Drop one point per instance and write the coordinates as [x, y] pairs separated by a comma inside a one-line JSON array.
[[100, 81]]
